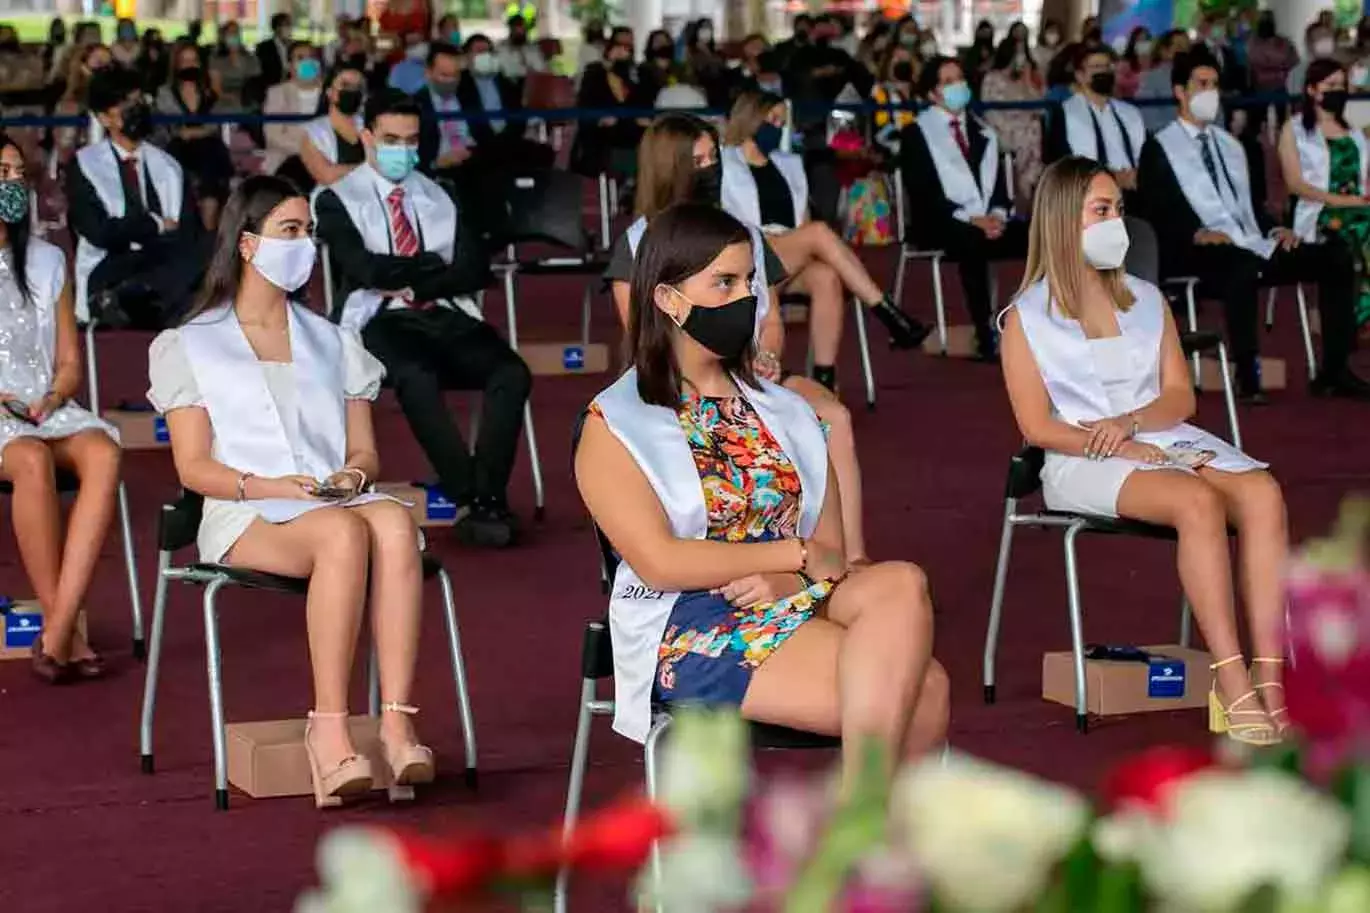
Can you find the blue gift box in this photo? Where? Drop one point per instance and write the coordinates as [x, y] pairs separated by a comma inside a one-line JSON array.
[[440, 508], [1165, 678], [23, 624]]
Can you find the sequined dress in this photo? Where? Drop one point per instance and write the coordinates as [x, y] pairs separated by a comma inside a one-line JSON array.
[[26, 374]]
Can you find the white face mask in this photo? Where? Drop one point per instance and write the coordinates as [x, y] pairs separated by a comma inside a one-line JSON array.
[[417, 51], [1105, 244], [1204, 106], [484, 64], [284, 262]]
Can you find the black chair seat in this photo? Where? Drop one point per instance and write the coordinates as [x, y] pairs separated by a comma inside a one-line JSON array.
[[1116, 526], [66, 482], [764, 735], [1200, 341], [261, 580], [564, 266]]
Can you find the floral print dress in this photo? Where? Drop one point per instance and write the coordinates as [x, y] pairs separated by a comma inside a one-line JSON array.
[[1353, 224], [752, 494]]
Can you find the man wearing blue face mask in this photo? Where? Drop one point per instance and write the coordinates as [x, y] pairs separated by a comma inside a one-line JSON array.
[[405, 267], [957, 191]]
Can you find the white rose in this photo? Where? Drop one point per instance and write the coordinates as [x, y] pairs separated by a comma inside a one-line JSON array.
[[985, 837], [1230, 833], [700, 873], [361, 873], [705, 767]]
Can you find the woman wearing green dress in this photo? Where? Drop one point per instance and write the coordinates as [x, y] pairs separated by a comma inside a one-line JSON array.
[[1324, 163]]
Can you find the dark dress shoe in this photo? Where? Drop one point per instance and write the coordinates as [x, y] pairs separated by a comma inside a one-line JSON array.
[[48, 669], [905, 332], [1345, 385], [488, 524]]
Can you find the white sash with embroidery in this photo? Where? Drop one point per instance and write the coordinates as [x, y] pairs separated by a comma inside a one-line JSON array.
[[953, 171], [1315, 166], [1217, 210], [638, 614], [740, 197], [1085, 142]]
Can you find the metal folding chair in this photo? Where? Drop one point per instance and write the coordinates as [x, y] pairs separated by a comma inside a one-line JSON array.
[[177, 525], [1305, 327]]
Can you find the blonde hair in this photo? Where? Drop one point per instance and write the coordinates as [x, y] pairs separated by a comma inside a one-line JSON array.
[[665, 162], [1055, 249], [749, 110]]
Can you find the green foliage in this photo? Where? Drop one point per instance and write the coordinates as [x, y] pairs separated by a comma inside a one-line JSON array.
[[605, 11]]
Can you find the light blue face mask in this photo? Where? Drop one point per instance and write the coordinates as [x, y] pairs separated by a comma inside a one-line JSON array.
[[396, 162], [956, 96], [308, 69]]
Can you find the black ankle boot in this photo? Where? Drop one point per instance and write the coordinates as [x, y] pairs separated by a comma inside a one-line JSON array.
[[905, 332], [826, 375]]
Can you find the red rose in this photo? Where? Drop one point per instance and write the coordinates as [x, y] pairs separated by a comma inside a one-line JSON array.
[[451, 867], [1147, 779], [618, 837]]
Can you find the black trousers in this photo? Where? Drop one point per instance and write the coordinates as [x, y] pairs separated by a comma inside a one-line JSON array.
[[155, 286], [1236, 276], [428, 352], [973, 252]]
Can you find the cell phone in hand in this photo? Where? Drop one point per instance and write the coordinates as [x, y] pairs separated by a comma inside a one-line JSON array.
[[333, 493], [1188, 456], [19, 411]]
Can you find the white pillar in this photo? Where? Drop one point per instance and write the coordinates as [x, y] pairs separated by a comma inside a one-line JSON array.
[[1293, 16], [643, 16], [263, 20]]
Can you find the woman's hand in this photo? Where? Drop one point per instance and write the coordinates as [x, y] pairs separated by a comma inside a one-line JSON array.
[[288, 488], [824, 563], [760, 589], [348, 480], [1107, 435], [1143, 453], [48, 404], [767, 366]]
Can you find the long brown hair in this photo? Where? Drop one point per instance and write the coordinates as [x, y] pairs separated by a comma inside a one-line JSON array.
[[1055, 250], [747, 114], [665, 162], [678, 244]]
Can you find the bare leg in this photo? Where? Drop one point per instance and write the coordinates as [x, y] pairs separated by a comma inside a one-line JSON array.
[[28, 463], [396, 608], [1197, 512], [815, 241], [94, 458], [826, 311], [845, 464], [330, 546], [1256, 507], [858, 672]]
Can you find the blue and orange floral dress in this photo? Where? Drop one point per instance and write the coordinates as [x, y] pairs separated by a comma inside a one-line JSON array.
[[752, 494]]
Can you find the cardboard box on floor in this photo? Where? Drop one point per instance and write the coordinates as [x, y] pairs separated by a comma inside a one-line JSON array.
[[23, 622], [267, 759], [551, 359], [139, 428], [426, 502], [1177, 678], [1274, 376]]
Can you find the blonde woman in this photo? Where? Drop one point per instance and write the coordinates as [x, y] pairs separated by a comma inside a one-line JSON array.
[[1097, 379], [765, 186]]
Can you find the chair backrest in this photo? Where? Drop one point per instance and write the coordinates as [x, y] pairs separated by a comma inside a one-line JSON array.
[[179, 522], [1025, 472], [1143, 251], [544, 205]]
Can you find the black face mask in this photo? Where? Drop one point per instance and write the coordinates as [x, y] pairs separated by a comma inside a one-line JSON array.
[[725, 330], [1102, 83], [706, 185], [188, 74], [1334, 101], [902, 71], [623, 69], [349, 101], [518, 39], [665, 52], [137, 120]]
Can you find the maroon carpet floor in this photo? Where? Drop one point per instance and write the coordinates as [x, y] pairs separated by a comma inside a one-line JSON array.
[[82, 829]]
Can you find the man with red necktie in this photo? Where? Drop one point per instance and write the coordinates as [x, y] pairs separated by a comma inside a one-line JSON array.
[[407, 267]]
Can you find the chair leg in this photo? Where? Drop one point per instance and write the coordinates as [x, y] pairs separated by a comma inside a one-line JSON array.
[[373, 682], [1270, 308], [580, 753], [996, 604], [213, 665], [1077, 633], [1307, 332], [131, 568], [604, 211], [1186, 629], [511, 304], [1192, 316], [92, 368], [539, 498], [585, 304], [1229, 397], [649, 757], [864, 344], [154, 662], [939, 303], [468, 723], [900, 267]]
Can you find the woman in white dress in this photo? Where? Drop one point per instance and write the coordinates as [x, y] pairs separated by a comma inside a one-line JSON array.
[[41, 430], [268, 406], [1097, 379]]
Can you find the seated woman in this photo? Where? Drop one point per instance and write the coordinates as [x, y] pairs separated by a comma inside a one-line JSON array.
[[269, 413], [1097, 379], [714, 487], [894, 82], [332, 144], [300, 94], [199, 148], [766, 187], [678, 163], [41, 430], [1325, 163]]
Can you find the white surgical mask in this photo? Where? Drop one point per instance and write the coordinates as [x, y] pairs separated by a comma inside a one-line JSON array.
[[1105, 244], [485, 64], [285, 262], [417, 51], [1143, 46], [1204, 105], [928, 49], [1323, 47]]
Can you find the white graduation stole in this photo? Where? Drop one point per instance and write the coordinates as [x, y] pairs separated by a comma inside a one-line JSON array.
[[740, 196], [953, 171], [1085, 142], [638, 614], [1225, 208], [1315, 165]]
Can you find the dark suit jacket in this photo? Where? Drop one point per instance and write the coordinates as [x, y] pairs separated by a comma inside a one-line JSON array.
[[482, 132], [927, 207], [430, 278], [90, 220], [273, 67]]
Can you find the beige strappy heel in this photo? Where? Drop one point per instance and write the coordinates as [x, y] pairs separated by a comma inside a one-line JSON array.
[[1280, 715], [1250, 727], [411, 764], [352, 776]]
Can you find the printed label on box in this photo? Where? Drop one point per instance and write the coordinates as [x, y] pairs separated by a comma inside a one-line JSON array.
[[159, 430], [439, 507], [22, 627], [573, 358], [1165, 678]]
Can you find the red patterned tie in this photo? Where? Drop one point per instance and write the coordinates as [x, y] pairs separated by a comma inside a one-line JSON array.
[[959, 134], [406, 242]]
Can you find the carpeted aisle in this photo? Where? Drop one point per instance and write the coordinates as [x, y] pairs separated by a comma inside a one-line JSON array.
[[82, 829]]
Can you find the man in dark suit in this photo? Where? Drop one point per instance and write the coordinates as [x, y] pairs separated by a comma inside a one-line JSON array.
[[407, 268], [274, 53], [957, 191]]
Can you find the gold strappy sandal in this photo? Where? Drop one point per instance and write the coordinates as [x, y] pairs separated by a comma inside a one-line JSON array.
[[1251, 726], [1280, 715]]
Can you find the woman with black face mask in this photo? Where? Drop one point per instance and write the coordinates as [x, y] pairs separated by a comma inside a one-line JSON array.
[[1325, 166], [607, 85], [766, 186], [332, 144], [198, 147], [678, 163], [659, 69], [714, 487], [894, 81]]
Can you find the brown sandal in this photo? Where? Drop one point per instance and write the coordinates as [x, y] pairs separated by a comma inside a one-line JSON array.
[[46, 668], [90, 667]]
